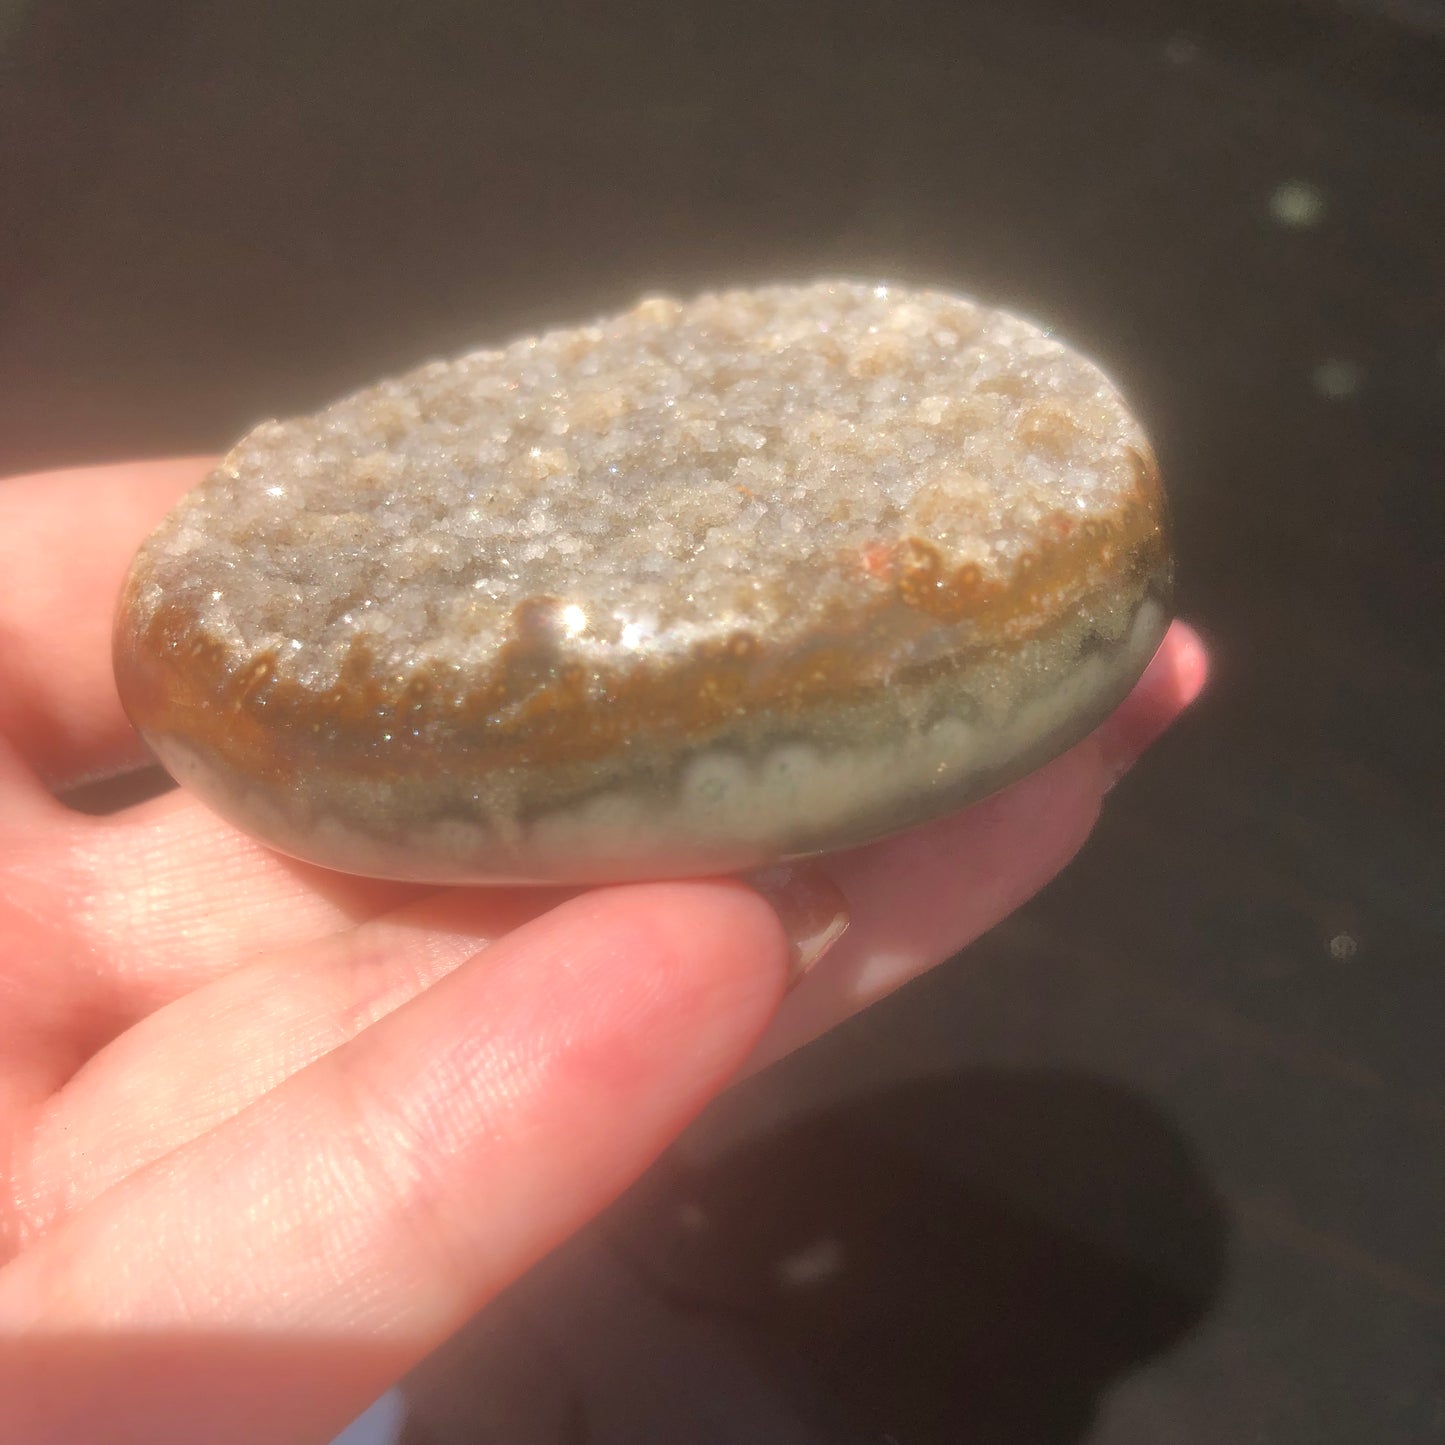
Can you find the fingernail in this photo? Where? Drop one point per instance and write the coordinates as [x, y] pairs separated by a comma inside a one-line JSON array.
[[810, 906]]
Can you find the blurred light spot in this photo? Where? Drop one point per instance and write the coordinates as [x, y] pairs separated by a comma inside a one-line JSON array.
[[691, 1218], [574, 619], [1337, 380], [1297, 204], [636, 634], [811, 1266], [1343, 947], [1181, 50]]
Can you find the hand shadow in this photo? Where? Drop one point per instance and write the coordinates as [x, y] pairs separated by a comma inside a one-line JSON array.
[[967, 1260]]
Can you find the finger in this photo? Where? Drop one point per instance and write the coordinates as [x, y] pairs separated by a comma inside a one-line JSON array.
[[190, 1066], [917, 898], [66, 539], [385, 1192]]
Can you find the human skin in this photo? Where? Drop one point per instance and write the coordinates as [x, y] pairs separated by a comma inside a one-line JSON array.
[[269, 1134]]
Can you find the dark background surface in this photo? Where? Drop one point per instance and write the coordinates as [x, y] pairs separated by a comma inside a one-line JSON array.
[[1163, 1158]]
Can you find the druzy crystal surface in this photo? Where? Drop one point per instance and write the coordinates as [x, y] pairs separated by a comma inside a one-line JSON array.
[[694, 588]]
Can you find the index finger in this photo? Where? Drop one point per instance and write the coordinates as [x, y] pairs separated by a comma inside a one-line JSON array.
[[66, 539]]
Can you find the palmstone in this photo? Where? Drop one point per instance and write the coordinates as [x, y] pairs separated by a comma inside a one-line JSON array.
[[693, 589]]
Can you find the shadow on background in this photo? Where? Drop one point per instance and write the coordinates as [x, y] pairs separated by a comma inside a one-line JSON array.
[[970, 1258]]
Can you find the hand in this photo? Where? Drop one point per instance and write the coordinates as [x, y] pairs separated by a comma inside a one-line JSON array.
[[269, 1134]]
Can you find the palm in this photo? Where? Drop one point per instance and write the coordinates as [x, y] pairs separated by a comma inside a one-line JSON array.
[[267, 1133]]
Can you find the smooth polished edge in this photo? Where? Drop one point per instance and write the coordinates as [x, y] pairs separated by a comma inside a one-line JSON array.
[[727, 812]]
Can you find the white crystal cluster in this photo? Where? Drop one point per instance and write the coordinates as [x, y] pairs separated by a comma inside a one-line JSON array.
[[675, 473]]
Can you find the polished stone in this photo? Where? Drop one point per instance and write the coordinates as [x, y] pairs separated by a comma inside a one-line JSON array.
[[695, 588]]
